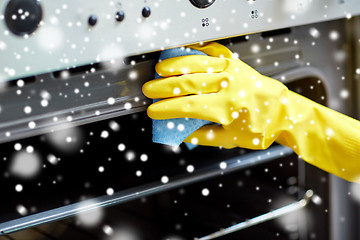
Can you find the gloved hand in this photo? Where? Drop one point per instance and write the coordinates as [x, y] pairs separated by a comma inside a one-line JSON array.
[[253, 110]]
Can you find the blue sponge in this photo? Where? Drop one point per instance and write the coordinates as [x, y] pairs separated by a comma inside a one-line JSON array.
[[174, 131]]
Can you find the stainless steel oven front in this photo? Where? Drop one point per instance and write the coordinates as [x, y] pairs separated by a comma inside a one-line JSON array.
[[75, 137]]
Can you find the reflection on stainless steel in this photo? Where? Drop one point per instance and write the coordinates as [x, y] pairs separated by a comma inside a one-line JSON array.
[[263, 218], [232, 164]]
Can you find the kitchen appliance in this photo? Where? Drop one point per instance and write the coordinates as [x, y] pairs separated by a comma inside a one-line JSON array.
[[67, 64]]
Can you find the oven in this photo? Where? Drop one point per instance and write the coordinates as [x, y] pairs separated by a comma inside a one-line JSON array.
[[77, 157]]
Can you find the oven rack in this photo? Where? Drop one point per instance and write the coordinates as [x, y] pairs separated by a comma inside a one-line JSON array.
[[232, 164]]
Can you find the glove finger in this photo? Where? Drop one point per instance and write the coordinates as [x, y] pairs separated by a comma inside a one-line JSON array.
[[204, 106], [183, 85], [212, 135], [213, 49], [190, 64]]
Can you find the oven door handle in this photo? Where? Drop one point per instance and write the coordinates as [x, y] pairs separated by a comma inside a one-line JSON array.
[[263, 218]]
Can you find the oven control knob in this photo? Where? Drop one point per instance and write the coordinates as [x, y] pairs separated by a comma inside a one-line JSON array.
[[23, 16], [119, 16], [146, 12], [92, 20], [202, 3]]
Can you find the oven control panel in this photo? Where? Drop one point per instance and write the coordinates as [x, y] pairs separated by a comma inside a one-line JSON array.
[[38, 36]]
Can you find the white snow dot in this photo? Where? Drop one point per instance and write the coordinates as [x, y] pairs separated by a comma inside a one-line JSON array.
[[205, 192], [210, 135], [314, 32], [2, 45], [68, 139], [235, 114], [127, 106], [210, 70], [111, 101], [44, 103], [176, 91], [101, 169], [138, 173], [242, 94], [258, 84], [108, 230], [18, 187], [164, 179], [27, 109], [223, 165], [20, 83], [130, 155], [235, 55], [316, 199], [256, 141], [190, 168], [52, 159], [104, 134], [25, 164], [329, 132], [170, 125], [181, 127], [21, 210], [224, 84], [143, 157], [334, 35], [109, 191], [358, 71], [121, 147], [344, 93], [255, 48], [32, 124], [114, 126], [30, 149], [194, 140], [17, 146], [90, 218], [133, 75]]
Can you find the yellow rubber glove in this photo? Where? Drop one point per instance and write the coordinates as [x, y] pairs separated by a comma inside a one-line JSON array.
[[253, 110]]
